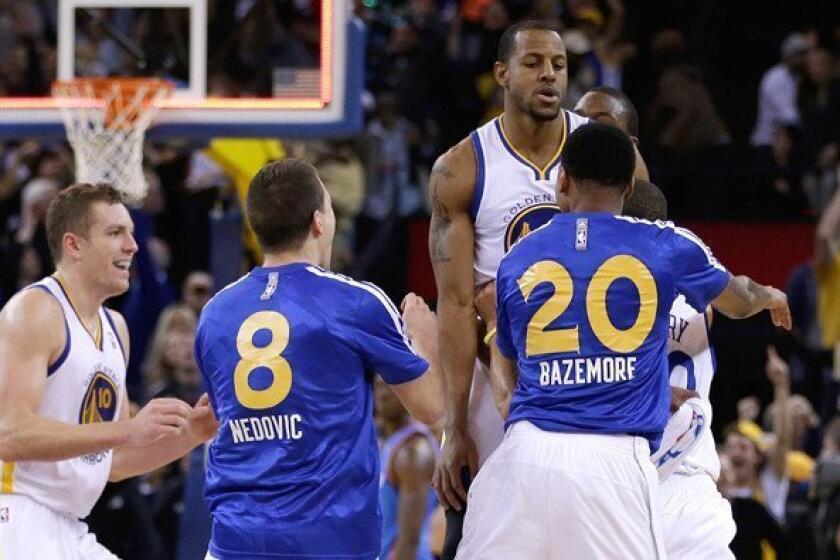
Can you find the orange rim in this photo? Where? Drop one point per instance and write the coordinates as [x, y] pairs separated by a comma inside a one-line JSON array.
[[116, 96]]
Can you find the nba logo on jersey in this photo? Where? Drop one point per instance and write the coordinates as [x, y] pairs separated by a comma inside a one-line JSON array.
[[4, 515], [582, 234], [270, 287]]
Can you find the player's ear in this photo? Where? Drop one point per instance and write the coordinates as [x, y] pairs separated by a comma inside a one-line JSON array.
[[317, 225], [500, 72], [563, 184], [71, 245], [630, 189], [635, 140]]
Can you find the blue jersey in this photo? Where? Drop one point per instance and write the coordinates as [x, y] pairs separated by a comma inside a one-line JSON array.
[[389, 494], [583, 308], [287, 354]]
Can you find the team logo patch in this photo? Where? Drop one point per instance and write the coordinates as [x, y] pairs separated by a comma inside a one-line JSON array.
[[99, 405], [527, 221], [100, 402]]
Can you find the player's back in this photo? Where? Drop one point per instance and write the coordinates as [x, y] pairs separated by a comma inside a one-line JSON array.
[[586, 302], [287, 353]]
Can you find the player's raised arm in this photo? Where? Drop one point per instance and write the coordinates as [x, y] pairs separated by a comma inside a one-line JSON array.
[[744, 298], [33, 337], [702, 279], [451, 238]]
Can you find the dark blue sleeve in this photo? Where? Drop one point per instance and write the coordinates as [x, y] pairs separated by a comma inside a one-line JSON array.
[[697, 273], [504, 337], [382, 340]]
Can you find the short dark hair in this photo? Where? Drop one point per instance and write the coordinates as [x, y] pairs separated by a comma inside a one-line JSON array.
[[69, 212], [646, 202], [629, 113], [508, 39], [601, 155], [281, 200]]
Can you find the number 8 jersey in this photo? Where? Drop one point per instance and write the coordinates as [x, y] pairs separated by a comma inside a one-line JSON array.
[[583, 307], [287, 354]]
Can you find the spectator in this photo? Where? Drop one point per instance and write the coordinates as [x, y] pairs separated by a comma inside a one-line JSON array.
[[778, 92], [169, 368], [827, 494], [197, 290], [683, 116], [757, 472], [344, 177]]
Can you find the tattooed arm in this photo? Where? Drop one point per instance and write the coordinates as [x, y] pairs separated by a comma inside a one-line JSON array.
[[451, 238]]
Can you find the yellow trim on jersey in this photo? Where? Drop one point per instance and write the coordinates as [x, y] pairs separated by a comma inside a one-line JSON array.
[[97, 336], [7, 482], [544, 171]]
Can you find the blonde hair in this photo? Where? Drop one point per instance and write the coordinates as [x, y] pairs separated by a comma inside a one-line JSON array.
[[175, 318]]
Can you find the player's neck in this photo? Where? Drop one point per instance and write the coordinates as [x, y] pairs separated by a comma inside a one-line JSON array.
[[80, 292], [532, 136], [597, 203], [308, 253]]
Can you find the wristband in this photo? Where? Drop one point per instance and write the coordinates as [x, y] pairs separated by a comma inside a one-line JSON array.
[[489, 336]]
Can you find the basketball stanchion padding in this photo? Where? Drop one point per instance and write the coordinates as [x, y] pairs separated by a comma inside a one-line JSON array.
[[106, 120]]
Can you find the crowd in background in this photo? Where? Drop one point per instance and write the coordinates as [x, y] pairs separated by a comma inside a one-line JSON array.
[[739, 118]]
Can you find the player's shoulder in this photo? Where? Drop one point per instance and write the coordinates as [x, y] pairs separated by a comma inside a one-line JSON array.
[[348, 291], [33, 313], [575, 120], [453, 175], [653, 226], [32, 305], [223, 296]]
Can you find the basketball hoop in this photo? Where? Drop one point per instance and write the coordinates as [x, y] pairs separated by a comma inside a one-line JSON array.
[[106, 120]]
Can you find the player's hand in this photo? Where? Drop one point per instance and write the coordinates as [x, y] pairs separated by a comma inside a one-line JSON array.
[[485, 303], [458, 452], [679, 396], [160, 418], [202, 422], [420, 323], [777, 369], [778, 307]]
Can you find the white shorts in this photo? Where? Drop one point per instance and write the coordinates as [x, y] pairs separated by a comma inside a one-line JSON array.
[[30, 530], [484, 423], [696, 520], [545, 495]]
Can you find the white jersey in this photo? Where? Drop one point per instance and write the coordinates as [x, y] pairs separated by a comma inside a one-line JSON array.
[[85, 385], [692, 364], [512, 195]]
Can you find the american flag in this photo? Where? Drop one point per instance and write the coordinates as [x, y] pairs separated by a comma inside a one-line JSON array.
[[296, 82]]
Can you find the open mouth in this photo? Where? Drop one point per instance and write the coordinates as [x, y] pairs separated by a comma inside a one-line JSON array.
[[123, 265]]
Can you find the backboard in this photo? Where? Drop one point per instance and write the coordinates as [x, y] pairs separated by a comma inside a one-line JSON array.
[[261, 71]]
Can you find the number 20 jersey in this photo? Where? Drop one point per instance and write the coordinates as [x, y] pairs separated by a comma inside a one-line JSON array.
[[583, 307], [287, 354]]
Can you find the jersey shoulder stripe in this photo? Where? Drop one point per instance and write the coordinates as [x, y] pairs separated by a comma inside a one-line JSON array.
[[375, 291]]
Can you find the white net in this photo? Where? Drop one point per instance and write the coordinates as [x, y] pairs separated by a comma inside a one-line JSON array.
[[106, 121]]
